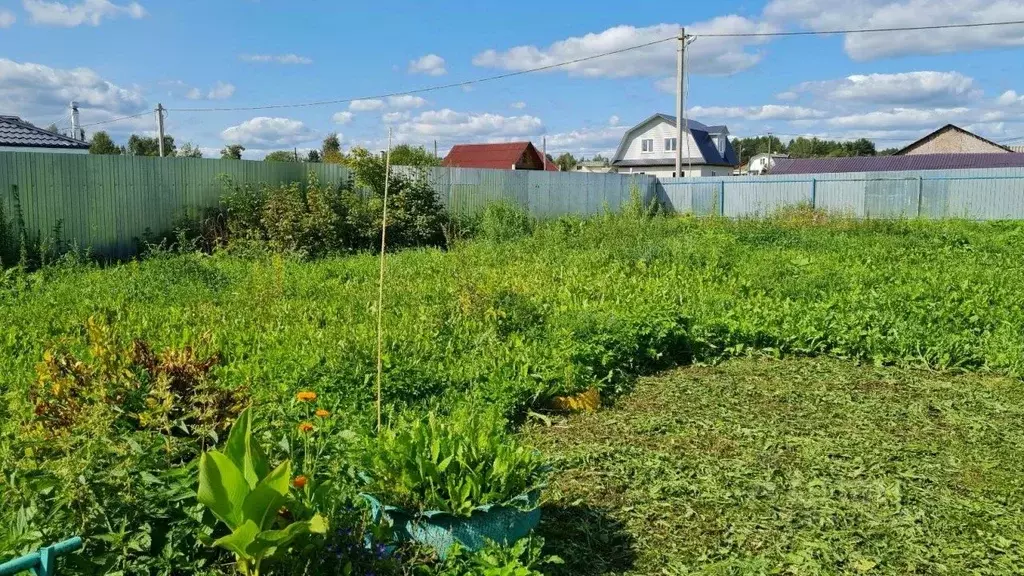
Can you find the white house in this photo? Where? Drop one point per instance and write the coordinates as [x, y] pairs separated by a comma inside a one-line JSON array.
[[650, 148], [760, 164], [16, 135]]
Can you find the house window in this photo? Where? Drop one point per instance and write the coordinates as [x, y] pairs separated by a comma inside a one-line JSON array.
[[670, 144], [647, 144]]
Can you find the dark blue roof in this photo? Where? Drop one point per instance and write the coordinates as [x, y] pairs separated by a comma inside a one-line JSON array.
[[15, 132], [897, 163]]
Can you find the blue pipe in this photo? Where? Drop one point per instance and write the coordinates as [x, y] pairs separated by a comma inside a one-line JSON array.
[[41, 562]]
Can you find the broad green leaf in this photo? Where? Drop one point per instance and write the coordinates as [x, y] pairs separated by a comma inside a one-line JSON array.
[[222, 488], [284, 536], [262, 503], [244, 450], [240, 540]]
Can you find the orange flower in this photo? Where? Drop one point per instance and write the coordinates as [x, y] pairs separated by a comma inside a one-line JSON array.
[[299, 482], [305, 427], [306, 396], [321, 413]]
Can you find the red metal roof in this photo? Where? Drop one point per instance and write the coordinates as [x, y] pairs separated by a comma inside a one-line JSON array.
[[897, 163], [500, 156]]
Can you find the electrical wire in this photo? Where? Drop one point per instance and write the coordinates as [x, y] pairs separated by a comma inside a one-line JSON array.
[[140, 114], [429, 88], [558, 65], [858, 30]]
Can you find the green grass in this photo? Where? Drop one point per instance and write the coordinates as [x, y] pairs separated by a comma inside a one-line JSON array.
[[577, 303], [798, 466]]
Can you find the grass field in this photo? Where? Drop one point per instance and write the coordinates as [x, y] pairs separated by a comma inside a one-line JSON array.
[[806, 466], [799, 466]]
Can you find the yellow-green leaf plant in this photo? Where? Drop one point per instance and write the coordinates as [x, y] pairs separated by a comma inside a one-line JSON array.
[[239, 488]]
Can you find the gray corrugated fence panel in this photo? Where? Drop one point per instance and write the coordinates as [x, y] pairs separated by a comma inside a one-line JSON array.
[[1000, 195], [839, 196], [109, 203], [762, 198], [676, 194], [891, 197]]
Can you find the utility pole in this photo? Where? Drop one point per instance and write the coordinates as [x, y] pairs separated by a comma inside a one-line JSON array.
[[769, 152], [76, 128], [679, 102], [435, 149], [160, 127]]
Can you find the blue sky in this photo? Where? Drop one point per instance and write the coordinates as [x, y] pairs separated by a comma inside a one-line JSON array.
[[118, 58]]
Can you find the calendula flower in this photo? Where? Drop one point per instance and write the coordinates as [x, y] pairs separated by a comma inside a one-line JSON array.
[[306, 396], [321, 413], [305, 427], [299, 482]]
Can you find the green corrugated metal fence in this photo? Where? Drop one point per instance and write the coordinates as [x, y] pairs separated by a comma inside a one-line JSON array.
[[106, 203]]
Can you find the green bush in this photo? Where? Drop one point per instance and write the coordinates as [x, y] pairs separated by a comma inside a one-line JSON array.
[[452, 464], [504, 221]]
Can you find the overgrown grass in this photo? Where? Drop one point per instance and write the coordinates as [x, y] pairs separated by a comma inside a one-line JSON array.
[[576, 303], [798, 466]]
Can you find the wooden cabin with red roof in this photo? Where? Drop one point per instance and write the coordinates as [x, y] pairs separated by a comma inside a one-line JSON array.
[[503, 156]]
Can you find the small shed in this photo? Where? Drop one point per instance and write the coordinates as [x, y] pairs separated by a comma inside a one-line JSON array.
[[503, 156]]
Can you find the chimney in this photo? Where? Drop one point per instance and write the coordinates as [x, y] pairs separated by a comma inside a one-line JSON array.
[[76, 129]]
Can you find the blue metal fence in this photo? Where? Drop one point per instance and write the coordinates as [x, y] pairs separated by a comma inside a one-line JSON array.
[[994, 194]]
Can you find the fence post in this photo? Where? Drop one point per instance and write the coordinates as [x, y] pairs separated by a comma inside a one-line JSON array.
[[920, 192], [721, 198], [814, 193]]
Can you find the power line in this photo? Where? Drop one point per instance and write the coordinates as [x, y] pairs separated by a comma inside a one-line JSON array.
[[859, 30], [428, 88], [115, 119]]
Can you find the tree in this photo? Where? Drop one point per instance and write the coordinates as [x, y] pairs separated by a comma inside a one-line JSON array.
[[406, 155], [281, 156], [599, 158], [53, 128], [102, 144], [566, 162], [888, 151], [232, 152], [331, 150], [189, 150], [313, 156], [861, 147], [146, 146]]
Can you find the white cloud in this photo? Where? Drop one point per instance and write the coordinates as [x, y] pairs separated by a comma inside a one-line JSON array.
[[916, 88], [268, 132], [365, 105], [431, 65], [406, 101], [904, 118], [831, 15], [518, 105], [276, 58], [1010, 98], [342, 117], [449, 123], [787, 96], [221, 91], [710, 114], [7, 18], [587, 141], [613, 120], [90, 12], [34, 89], [393, 117], [715, 56], [194, 94]]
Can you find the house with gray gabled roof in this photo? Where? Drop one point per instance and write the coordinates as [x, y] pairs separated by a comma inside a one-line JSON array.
[[17, 135], [650, 148]]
